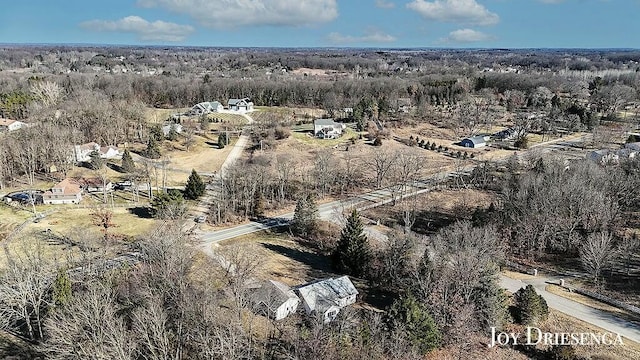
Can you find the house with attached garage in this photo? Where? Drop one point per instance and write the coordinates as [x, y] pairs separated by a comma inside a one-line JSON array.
[[327, 129], [205, 108], [275, 300], [325, 298], [243, 105], [83, 152], [11, 125], [68, 191]]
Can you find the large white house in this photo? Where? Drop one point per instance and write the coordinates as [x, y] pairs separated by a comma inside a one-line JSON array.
[[327, 129], [83, 152], [242, 105], [205, 108], [10, 125], [327, 297], [276, 300], [67, 191]]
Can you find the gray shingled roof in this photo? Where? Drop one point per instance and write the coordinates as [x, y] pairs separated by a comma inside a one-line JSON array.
[[325, 122]]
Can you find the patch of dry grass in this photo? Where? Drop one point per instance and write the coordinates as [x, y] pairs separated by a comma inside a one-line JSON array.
[[69, 219], [284, 259], [516, 275]]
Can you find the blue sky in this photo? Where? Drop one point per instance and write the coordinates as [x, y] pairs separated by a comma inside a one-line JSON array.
[[326, 23]]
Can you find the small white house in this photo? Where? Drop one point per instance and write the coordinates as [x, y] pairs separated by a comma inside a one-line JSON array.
[[275, 299], [83, 152], [327, 129], [242, 105], [327, 297], [609, 157], [11, 125]]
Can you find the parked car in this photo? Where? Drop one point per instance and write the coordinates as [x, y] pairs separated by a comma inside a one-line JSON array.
[[201, 218]]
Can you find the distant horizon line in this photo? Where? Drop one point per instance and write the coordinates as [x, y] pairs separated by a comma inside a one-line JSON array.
[[400, 48]]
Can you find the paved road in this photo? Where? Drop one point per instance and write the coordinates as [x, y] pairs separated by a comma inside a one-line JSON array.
[[333, 211], [585, 313]]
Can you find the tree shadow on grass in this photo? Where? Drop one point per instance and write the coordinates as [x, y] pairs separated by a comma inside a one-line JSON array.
[[319, 265], [429, 222], [116, 168], [141, 211]]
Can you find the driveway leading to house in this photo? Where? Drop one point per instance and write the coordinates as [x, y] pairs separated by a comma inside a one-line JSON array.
[[599, 318]]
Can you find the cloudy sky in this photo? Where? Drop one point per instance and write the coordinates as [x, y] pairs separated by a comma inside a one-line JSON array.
[[326, 23]]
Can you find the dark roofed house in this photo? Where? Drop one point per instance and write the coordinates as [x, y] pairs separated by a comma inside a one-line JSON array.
[[474, 142]]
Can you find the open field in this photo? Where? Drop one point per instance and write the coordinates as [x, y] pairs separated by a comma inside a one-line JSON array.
[[65, 220], [159, 116], [283, 259]]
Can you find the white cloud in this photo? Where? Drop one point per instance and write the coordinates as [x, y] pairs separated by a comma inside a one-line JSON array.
[[466, 36], [238, 13], [383, 4], [145, 30], [456, 11], [370, 36]]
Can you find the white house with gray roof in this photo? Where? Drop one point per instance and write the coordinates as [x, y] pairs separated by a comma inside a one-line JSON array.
[[275, 300], [327, 297], [327, 129], [205, 108], [242, 105]]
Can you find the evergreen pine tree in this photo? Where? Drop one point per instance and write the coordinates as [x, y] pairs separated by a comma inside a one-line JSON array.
[[530, 306], [305, 216], [222, 140], [62, 288], [413, 318], [195, 186], [352, 254], [173, 133], [258, 204], [127, 162], [153, 149]]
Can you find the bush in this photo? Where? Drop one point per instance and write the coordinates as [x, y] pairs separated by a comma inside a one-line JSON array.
[[377, 142], [522, 143], [281, 133]]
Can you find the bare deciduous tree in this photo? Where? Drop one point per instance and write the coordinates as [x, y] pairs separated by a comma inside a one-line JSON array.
[[596, 254]]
